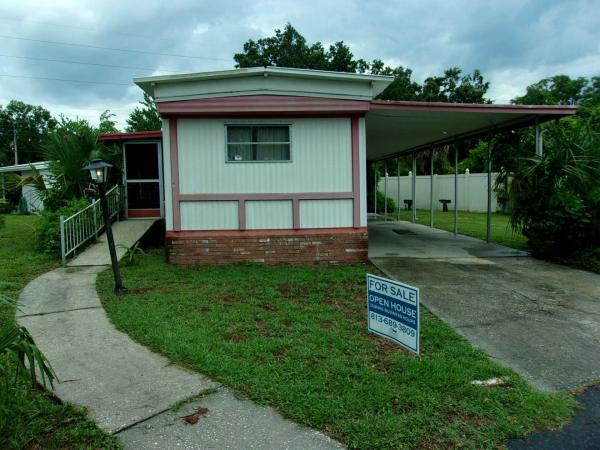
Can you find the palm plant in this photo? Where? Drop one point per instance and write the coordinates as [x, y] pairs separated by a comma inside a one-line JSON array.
[[556, 197], [18, 348]]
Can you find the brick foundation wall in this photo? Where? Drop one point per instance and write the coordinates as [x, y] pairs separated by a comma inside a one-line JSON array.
[[314, 246]]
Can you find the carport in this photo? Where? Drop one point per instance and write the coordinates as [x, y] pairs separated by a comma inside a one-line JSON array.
[[396, 129]]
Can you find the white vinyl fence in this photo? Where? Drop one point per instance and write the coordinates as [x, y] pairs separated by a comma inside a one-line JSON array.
[[472, 191]]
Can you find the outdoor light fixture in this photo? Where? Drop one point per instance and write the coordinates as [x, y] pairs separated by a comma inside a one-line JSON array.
[[99, 174], [98, 170]]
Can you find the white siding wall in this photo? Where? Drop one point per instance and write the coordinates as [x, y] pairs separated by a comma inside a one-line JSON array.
[[273, 214], [321, 161], [326, 213], [209, 215], [320, 152]]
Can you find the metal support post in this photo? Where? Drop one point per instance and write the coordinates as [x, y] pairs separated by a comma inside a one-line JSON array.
[[414, 187], [385, 177], [63, 257], [432, 154], [488, 231], [375, 189], [539, 146], [398, 193], [455, 188]]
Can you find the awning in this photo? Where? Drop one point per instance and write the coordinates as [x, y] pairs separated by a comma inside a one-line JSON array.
[[395, 128]]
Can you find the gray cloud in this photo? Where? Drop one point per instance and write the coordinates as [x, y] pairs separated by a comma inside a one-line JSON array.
[[513, 42]]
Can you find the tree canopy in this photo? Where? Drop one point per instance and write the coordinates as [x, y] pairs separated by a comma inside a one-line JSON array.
[[288, 48], [562, 90], [144, 117], [31, 124]]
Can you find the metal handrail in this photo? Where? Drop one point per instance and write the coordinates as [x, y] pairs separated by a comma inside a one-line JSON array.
[[77, 229]]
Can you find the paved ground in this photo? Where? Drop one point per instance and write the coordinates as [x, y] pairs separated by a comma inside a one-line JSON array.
[[541, 319], [129, 390], [583, 433], [125, 232]]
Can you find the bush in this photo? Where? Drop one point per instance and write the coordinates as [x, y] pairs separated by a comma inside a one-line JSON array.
[[5, 206], [556, 197], [48, 235], [381, 201]]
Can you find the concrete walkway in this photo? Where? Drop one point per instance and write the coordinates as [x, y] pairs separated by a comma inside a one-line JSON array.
[[540, 319], [125, 232], [128, 390]]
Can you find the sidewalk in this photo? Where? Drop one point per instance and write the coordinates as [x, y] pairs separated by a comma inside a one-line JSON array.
[[129, 390]]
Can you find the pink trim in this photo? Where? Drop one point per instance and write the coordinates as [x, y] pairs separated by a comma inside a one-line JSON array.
[[355, 171], [175, 173], [249, 233], [253, 105], [261, 196], [472, 107], [130, 136], [242, 214], [296, 213]]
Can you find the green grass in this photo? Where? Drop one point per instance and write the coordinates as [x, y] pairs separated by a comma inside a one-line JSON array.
[[295, 338], [35, 419], [470, 224]]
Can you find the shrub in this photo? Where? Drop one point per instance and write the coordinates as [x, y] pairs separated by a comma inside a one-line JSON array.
[[5, 206], [48, 234], [381, 201], [556, 197]]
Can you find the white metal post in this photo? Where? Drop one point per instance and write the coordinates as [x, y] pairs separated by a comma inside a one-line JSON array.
[[398, 190], [489, 193], [455, 188], [63, 257], [431, 189], [385, 177], [375, 189], [414, 187]]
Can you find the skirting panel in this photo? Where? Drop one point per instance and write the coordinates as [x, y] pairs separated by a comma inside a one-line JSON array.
[[320, 246]]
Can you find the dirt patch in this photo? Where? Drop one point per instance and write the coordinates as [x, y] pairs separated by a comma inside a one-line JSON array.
[[204, 309], [268, 307], [291, 292], [238, 338], [141, 290], [281, 352], [229, 299], [326, 324]]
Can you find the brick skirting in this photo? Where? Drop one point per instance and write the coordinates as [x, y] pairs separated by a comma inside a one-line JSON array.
[[311, 246]]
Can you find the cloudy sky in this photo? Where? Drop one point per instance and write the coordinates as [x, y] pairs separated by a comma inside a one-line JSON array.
[[513, 42]]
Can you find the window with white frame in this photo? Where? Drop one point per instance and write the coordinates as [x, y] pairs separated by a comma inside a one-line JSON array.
[[258, 143]]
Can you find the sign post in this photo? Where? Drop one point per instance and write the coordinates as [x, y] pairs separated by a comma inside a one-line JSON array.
[[393, 311]]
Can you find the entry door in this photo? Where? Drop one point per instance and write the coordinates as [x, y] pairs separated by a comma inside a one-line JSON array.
[[143, 179]]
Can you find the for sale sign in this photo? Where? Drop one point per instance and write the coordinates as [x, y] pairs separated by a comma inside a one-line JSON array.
[[393, 310]]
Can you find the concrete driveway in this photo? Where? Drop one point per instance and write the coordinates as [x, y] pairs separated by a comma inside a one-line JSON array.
[[540, 319]]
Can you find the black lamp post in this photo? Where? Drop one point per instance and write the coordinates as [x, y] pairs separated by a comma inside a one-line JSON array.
[[99, 173]]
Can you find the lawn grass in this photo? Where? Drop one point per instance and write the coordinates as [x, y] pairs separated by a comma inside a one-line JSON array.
[[35, 419], [295, 338], [470, 224]]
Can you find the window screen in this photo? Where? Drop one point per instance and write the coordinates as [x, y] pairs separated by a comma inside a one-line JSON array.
[[258, 143]]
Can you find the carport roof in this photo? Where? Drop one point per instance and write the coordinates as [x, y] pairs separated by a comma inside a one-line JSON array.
[[394, 128]]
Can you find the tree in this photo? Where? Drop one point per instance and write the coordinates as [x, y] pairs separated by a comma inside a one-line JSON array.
[[107, 124], [453, 88], [558, 90], [288, 48], [31, 124], [146, 117], [402, 88]]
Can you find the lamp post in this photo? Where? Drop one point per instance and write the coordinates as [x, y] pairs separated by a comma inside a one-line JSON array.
[[99, 173]]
